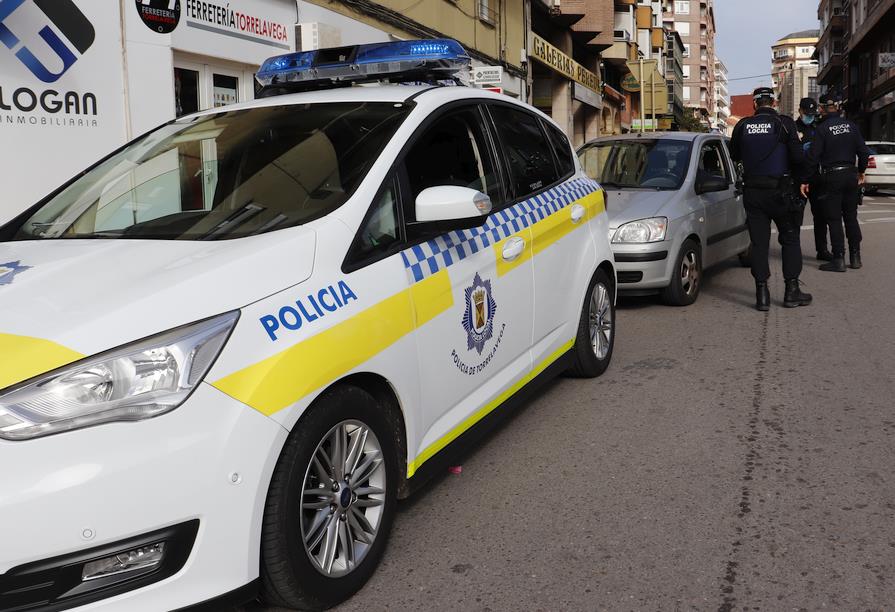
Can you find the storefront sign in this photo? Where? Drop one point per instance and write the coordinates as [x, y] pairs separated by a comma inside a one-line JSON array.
[[587, 96], [630, 83], [546, 53], [886, 61], [160, 16], [60, 93], [229, 19], [487, 75]]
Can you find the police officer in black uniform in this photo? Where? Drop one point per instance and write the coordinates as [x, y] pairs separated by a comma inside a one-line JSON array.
[[806, 124], [773, 166], [836, 147]]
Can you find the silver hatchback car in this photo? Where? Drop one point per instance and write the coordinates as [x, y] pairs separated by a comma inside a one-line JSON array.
[[674, 209]]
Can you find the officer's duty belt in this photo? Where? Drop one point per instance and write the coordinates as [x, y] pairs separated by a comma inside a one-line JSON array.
[[764, 182], [837, 168]]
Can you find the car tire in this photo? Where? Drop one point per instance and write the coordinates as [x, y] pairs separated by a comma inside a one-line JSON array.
[[686, 278], [745, 258], [870, 190], [596, 329], [294, 572]]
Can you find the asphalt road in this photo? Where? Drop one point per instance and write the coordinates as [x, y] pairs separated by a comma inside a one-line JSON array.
[[727, 459]]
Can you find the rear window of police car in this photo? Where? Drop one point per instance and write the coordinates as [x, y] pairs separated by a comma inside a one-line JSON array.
[[225, 175]]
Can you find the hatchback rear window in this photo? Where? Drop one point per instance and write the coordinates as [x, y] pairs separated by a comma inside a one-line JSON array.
[[882, 149], [225, 175]]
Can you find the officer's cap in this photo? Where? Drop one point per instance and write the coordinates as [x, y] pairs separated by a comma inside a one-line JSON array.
[[830, 99], [764, 93], [808, 106]]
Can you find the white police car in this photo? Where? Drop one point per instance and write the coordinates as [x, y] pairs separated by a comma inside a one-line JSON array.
[[228, 348]]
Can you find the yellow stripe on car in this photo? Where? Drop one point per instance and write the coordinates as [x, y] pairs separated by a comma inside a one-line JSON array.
[[282, 379], [24, 357]]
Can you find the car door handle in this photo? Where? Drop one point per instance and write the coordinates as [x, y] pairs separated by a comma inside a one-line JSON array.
[[513, 248], [578, 213]]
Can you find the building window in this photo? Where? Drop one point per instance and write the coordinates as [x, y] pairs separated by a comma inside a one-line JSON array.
[[682, 7], [686, 93], [682, 27], [686, 49], [686, 72], [486, 13]]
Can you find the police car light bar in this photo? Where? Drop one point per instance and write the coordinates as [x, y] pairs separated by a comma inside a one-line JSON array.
[[407, 60]]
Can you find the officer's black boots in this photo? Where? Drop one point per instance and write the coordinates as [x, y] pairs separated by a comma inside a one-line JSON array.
[[836, 265], [824, 256], [762, 296], [794, 296], [854, 259]]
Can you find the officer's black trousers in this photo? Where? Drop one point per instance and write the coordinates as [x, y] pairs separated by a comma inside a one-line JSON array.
[[839, 199], [820, 219], [762, 207]]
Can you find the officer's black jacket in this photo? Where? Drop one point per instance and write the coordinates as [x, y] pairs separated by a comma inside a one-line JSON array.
[[837, 142], [768, 145], [807, 132]]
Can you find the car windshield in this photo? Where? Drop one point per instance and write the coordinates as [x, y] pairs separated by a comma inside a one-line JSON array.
[[882, 148], [221, 176], [634, 164]]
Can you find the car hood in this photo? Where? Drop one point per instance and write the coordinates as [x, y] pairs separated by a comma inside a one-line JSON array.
[[63, 299], [632, 204]]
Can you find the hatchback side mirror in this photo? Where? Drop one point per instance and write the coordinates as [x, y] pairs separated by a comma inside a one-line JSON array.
[[708, 183], [450, 207]]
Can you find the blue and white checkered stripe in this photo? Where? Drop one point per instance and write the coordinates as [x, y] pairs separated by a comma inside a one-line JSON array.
[[424, 260]]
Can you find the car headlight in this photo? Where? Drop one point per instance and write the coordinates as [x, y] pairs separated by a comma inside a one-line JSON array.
[[137, 381], [641, 231]]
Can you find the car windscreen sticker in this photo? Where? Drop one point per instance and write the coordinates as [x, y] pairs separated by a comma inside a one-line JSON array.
[[9, 270]]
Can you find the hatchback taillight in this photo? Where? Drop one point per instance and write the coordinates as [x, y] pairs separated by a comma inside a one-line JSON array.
[[871, 163]]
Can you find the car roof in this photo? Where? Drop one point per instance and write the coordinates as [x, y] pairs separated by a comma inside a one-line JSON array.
[[370, 93], [653, 136]]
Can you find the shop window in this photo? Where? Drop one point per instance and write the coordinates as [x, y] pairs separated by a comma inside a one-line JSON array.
[[454, 150], [527, 150], [186, 91], [226, 89]]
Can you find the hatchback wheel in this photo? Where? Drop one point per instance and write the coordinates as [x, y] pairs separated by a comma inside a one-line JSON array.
[[686, 279], [331, 503], [596, 328]]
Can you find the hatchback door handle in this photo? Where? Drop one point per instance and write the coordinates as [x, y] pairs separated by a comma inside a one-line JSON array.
[[577, 213], [513, 248]]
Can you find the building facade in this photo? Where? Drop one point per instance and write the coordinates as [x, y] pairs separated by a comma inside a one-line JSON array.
[[694, 21], [870, 71], [831, 46], [794, 71], [722, 97]]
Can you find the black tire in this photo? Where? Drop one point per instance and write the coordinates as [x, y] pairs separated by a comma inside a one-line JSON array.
[[289, 578], [683, 292], [588, 364], [870, 190], [746, 258]]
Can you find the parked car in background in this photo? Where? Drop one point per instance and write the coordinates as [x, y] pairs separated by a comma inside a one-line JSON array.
[[881, 170], [673, 206]]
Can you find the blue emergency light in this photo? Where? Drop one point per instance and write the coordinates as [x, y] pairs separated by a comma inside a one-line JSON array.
[[405, 60]]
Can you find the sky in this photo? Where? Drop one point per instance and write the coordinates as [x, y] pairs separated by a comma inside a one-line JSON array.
[[746, 29]]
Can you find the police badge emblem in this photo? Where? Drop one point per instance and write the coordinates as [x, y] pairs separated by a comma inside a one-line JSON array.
[[478, 316], [9, 270]]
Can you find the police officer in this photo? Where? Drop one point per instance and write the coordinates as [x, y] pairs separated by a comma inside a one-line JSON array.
[[837, 144], [806, 124], [768, 146]]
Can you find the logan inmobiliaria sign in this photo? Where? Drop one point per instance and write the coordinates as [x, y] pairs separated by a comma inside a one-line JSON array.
[[547, 54], [60, 80]]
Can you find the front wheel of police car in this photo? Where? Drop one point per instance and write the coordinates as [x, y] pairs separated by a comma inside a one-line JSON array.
[[331, 502]]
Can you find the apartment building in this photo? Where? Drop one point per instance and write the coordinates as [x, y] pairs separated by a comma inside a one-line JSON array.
[[870, 66], [722, 98], [694, 21], [830, 52], [793, 69]]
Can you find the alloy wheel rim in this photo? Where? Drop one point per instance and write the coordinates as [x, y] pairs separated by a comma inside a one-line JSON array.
[[690, 273], [343, 497], [600, 321]]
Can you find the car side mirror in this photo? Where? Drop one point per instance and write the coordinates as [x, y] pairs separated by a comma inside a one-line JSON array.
[[708, 183], [450, 207]]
